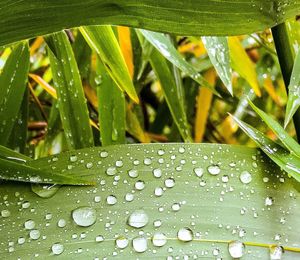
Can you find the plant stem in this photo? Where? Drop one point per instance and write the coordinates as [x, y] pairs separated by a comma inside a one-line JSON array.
[[286, 60]]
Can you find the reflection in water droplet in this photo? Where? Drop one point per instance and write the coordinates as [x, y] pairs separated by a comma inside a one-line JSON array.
[[159, 239], [236, 249], [199, 171], [246, 177], [213, 169], [57, 248], [122, 242], [84, 216], [111, 200], [170, 183], [276, 252], [185, 234], [138, 219], [140, 244]]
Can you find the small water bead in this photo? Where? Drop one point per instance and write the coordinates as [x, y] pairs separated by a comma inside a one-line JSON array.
[[29, 224], [133, 173], [84, 216], [111, 200], [111, 171], [245, 177], [21, 240], [73, 158], [269, 201], [170, 182], [158, 191], [181, 150], [129, 197], [276, 252], [140, 244], [214, 169], [48, 216], [61, 223], [57, 248], [138, 219], [139, 185], [122, 242], [97, 199], [185, 234], [176, 207], [103, 154], [157, 223], [199, 171], [147, 161], [99, 238], [89, 165], [160, 152], [25, 204], [5, 213], [157, 173], [34, 234], [236, 249], [119, 163], [225, 178], [159, 239]]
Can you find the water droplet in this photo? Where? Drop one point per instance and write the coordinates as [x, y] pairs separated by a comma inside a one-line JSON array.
[[216, 252], [111, 200], [276, 252], [158, 191], [73, 158], [133, 173], [138, 219], [5, 213], [176, 207], [269, 201], [57, 248], [61, 223], [89, 165], [236, 249], [157, 173], [34, 234], [213, 169], [29, 224], [159, 239], [111, 171], [140, 244], [129, 197], [103, 154], [199, 171], [97, 199], [119, 163], [84, 216], [122, 242], [246, 177], [185, 234], [160, 152], [157, 223], [225, 178], [170, 183], [181, 150], [139, 185], [99, 238], [25, 204], [21, 240]]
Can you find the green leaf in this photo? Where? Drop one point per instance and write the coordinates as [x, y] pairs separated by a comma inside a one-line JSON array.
[[164, 45], [284, 137], [249, 199], [218, 52], [34, 171], [174, 98], [294, 95], [13, 81], [71, 99], [103, 41], [111, 107], [282, 157], [26, 19], [9, 154]]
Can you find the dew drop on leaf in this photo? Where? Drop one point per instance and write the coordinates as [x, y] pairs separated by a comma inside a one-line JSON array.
[[29, 224], [185, 234], [111, 200], [276, 252], [157, 173], [159, 239], [5, 213], [99, 238], [57, 248], [84, 216], [170, 183], [133, 173], [140, 244], [269, 201], [121, 242], [199, 171], [138, 219], [245, 177], [139, 185], [213, 169], [111, 171], [34, 234], [236, 249]]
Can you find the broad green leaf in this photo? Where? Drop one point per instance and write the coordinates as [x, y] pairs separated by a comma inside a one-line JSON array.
[[164, 45], [103, 41], [218, 52], [242, 64], [34, 171], [294, 93], [284, 137], [111, 107], [172, 96], [71, 99], [26, 19], [282, 157], [157, 201], [13, 81]]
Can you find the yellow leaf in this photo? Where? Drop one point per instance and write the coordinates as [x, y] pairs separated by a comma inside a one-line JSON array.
[[269, 87], [49, 89], [36, 44]]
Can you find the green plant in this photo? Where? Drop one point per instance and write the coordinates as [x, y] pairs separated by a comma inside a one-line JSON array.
[[75, 103]]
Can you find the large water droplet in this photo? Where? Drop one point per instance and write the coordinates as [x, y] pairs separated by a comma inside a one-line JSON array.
[[199, 171], [122, 242], [170, 183], [276, 252], [140, 244], [84, 216], [157, 173], [111, 171], [111, 200], [5, 213], [246, 177], [236, 249], [34, 234], [185, 234], [138, 219], [213, 169], [29, 224], [57, 248], [139, 185], [133, 173], [159, 239]]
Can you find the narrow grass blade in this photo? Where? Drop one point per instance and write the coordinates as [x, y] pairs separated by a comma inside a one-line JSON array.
[[165, 188], [30, 18], [174, 101], [71, 100], [242, 64], [111, 102], [103, 41], [9, 154], [218, 52], [294, 95], [284, 137], [13, 81], [282, 157], [164, 45]]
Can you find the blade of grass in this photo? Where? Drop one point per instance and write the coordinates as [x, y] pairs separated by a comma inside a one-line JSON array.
[[103, 41], [13, 81], [71, 100], [9, 154]]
